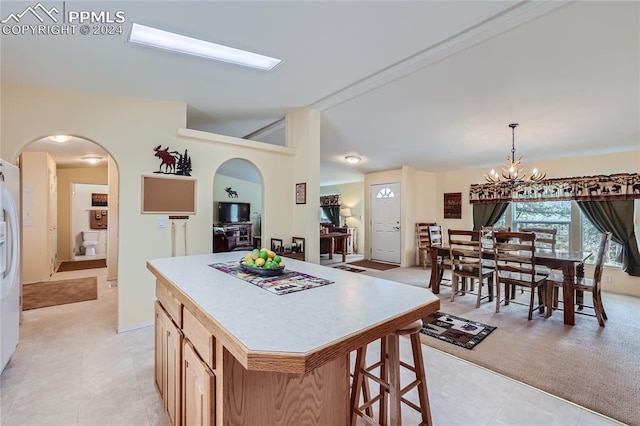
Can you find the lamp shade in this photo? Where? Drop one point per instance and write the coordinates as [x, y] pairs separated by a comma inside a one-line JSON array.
[[346, 212]]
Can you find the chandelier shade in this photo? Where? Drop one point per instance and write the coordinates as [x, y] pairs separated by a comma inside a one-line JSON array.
[[512, 171]]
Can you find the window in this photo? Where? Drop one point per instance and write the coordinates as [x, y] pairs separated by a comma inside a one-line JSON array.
[[575, 230], [385, 193], [551, 214]]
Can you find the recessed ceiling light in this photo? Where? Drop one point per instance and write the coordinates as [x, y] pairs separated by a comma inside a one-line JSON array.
[[61, 138], [353, 159], [93, 159], [153, 37]]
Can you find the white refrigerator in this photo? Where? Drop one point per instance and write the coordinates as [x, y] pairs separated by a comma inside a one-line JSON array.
[[9, 260]]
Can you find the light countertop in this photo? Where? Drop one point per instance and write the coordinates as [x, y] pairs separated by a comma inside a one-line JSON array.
[[297, 322]]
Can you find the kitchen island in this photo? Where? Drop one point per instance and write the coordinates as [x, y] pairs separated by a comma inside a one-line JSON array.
[[229, 352]]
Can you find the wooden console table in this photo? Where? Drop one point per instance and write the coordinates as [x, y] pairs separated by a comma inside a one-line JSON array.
[[341, 239]]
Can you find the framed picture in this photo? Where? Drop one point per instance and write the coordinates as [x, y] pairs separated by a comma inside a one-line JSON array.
[[453, 205], [99, 200], [301, 193]]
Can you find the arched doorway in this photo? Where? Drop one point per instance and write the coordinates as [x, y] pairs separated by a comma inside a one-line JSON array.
[[237, 206], [50, 168]]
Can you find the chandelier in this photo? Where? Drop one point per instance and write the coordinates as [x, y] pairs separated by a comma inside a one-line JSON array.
[[512, 170]]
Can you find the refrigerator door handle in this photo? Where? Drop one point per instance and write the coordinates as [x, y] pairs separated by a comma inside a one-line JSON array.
[[11, 216]]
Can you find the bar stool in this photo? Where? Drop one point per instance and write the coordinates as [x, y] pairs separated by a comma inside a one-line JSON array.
[[389, 381]]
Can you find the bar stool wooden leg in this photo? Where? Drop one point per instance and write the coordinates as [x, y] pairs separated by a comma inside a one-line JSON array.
[[393, 344], [384, 378], [423, 394], [356, 386], [389, 381]]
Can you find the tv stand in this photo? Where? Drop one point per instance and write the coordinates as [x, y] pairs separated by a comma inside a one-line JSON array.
[[241, 231]]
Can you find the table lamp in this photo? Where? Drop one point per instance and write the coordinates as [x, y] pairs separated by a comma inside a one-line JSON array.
[[345, 212]]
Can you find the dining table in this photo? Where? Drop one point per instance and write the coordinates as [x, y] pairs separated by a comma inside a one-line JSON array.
[[337, 239], [565, 261]]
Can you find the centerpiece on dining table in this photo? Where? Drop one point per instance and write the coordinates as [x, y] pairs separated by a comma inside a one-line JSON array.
[[262, 262]]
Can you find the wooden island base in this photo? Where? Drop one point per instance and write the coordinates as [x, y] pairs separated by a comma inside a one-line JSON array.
[[260, 397]]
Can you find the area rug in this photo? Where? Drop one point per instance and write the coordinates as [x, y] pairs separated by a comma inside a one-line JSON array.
[[374, 265], [82, 264], [455, 330], [348, 268], [51, 293]]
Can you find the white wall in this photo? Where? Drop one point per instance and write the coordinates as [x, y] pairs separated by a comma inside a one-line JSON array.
[[129, 129]]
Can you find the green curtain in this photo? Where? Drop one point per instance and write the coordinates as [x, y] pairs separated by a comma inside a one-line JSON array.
[[617, 218], [333, 213], [487, 214]]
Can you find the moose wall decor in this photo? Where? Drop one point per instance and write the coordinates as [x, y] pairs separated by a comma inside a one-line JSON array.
[[174, 163], [231, 193]]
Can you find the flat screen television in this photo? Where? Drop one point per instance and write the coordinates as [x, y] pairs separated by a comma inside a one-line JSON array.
[[233, 212]]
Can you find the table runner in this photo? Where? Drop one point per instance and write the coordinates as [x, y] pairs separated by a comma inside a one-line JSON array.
[[287, 282]]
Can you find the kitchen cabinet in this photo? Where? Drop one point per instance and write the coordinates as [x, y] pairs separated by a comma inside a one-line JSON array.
[[198, 395], [168, 358]]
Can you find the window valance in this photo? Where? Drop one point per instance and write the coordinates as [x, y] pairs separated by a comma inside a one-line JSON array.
[[621, 186], [330, 200]]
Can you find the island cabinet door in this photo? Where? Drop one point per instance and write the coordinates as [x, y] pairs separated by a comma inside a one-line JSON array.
[[159, 347], [198, 390], [173, 373]]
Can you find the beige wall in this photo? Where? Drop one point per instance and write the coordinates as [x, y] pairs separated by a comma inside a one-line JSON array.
[[67, 176], [129, 128]]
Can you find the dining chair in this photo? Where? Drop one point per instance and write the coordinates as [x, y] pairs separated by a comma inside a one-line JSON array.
[[436, 240], [591, 285], [465, 252], [515, 256], [423, 243], [546, 239]]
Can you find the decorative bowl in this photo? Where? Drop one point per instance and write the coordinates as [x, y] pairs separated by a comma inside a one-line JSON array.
[[270, 272]]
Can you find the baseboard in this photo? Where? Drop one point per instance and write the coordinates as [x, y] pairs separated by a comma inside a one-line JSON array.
[[135, 327]]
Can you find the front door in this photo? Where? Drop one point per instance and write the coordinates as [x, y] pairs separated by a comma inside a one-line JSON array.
[[385, 222]]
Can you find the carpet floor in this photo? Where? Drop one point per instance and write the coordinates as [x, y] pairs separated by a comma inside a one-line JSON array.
[[82, 264], [374, 265], [592, 366], [51, 293]]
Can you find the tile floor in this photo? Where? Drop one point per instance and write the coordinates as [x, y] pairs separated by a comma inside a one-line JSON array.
[[71, 368]]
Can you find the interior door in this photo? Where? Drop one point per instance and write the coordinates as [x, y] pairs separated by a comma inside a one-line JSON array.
[[385, 222]]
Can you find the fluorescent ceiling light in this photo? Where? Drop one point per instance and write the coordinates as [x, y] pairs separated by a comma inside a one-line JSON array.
[[152, 37]]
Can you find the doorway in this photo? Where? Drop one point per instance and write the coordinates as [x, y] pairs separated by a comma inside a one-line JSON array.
[[48, 168], [89, 221], [237, 206], [385, 222]]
